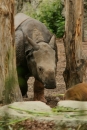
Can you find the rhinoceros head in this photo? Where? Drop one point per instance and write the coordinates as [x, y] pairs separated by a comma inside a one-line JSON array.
[[42, 62]]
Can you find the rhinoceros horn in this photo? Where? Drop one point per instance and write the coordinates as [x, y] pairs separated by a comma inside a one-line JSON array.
[[52, 41], [33, 44]]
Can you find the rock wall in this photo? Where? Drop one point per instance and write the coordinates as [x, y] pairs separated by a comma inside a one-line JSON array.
[[18, 6], [35, 3]]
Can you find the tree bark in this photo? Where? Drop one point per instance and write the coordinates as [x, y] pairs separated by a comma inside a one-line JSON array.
[[9, 88], [75, 61], [85, 22]]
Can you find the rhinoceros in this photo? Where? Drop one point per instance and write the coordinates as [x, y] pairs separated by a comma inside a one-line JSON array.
[[36, 55]]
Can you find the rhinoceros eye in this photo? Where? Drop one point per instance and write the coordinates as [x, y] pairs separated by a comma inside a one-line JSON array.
[[40, 69]]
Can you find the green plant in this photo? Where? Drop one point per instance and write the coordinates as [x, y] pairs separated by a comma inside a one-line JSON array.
[[49, 13]]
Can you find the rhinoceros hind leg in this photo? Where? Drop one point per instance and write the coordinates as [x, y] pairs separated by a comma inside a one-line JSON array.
[[23, 86], [39, 91]]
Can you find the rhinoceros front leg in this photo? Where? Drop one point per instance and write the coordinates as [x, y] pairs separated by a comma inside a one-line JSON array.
[[39, 91]]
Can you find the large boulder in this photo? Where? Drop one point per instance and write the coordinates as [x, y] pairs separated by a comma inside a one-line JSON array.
[[35, 110]]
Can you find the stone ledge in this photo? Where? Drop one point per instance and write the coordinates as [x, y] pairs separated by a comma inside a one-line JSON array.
[[63, 120]]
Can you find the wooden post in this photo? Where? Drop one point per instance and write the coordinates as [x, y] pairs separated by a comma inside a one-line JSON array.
[[9, 88], [75, 61]]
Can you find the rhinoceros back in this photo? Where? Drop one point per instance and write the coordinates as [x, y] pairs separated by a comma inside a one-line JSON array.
[[19, 18], [33, 29], [36, 30]]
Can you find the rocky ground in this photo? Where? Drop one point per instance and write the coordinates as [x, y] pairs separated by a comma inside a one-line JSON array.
[[35, 125]]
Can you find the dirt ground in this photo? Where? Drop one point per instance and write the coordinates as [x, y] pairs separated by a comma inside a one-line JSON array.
[[52, 95]]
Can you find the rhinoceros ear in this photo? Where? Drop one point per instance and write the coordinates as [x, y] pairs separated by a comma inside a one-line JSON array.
[[52, 41], [32, 43]]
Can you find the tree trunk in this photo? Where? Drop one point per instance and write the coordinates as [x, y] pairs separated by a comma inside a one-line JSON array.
[[85, 22], [9, 88], [75, 62]]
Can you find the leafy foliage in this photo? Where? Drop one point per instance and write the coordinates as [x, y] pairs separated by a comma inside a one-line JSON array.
[[49, 13]]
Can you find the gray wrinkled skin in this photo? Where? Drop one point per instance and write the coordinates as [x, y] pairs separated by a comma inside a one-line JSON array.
[[39, 63]]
